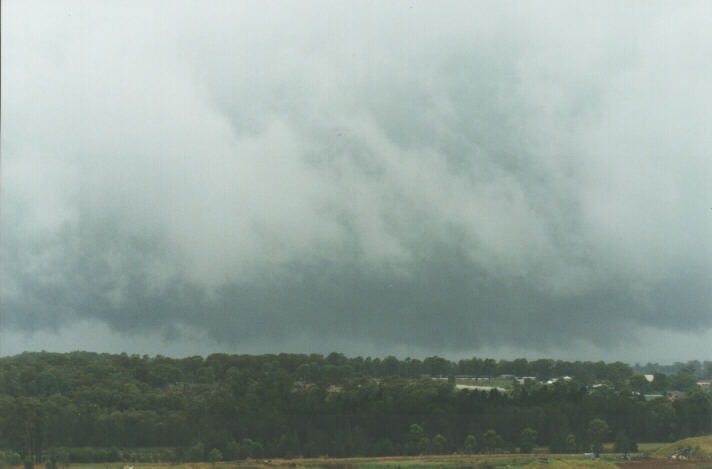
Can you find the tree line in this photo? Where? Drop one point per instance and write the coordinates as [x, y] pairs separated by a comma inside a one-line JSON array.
[[85, 407]]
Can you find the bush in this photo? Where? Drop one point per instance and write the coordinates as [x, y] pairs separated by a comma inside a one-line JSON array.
[[491, 441], [82, 455], [51, 462], [248, 448], [231, 450], [624, 444], [563, 443], [527, 440], [113, 455], [181, 454], [168, 455], [470, 445], [439, 444], [383, 447], [62, 455], [215, 455], [196, 453], [10, 458]]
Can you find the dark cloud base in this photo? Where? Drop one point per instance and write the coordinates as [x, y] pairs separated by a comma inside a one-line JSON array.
[[444, 302]]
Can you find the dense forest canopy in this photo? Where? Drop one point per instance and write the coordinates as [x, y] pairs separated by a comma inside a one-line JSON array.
[[102, 407]]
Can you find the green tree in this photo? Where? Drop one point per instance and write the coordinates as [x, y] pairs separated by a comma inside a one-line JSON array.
[[640, 384], [559, 440], [390, 366], [683, 380], [10, 458], [438, 445], [470, 444], [57, 458], [527, 440], [288, 446], [423, 446], [113, 455], [661, 382], [415, 432], [215, 455], [571, 445], [618, 373], [167, 455], [437, 366], [26, 418], [694, 413], [249, 449], [624, 444], [597, 433], [384, 447], [490, 441], [196, 452], [660, 419], [416, 440], [231, 450]]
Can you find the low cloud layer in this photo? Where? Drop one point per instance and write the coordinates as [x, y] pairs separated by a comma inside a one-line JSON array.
[[399, 177]]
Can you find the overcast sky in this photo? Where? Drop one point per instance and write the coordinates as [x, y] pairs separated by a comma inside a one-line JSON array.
[[497, 178]]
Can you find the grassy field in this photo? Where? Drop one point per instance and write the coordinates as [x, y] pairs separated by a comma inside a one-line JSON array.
[[649, 456], [516, 461], [444, 462], [647, 448], [644, 449]]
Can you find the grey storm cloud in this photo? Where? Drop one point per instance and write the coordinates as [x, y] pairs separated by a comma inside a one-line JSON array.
[[407, 175]]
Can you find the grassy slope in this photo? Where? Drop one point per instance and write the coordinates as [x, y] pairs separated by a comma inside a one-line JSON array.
[[701, 446]]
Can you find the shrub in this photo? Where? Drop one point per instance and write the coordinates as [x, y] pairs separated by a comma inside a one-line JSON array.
[[248, 448], [232, 450], [196, 452], [215, 455], [168, 455], [527, 440], [113, 455], [51, 459], [470, 445], [491, 441], [438, 444], [10, 458]]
